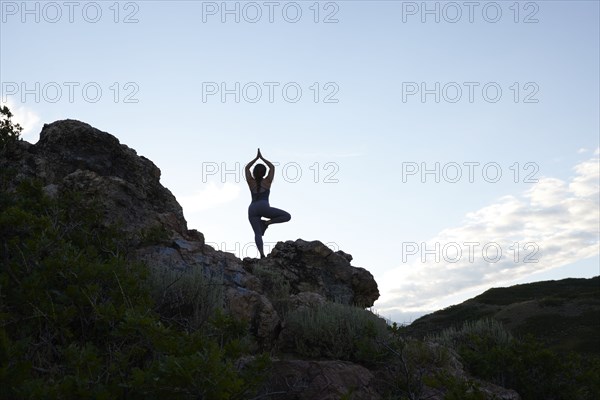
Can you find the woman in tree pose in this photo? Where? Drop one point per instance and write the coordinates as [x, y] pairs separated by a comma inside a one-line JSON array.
[[260, 187]]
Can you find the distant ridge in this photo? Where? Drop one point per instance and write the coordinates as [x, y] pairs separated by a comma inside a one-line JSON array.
[[565, 314]]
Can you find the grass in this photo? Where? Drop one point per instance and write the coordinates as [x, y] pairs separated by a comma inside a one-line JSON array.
[[337, 331], [190, 297]]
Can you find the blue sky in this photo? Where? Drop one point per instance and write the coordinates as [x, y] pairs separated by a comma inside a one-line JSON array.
[[359, 122]]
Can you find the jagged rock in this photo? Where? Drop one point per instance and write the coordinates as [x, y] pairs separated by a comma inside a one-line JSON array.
[[489, 391], [320, 380], [256, 309], [495, 392], [73, 155], [126, 187], [305, 300], [314, 267]]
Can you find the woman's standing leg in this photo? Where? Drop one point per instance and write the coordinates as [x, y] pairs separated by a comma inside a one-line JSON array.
[[255, 221]]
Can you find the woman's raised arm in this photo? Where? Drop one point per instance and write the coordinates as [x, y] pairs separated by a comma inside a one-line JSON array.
[[247, 169], [271, 174]]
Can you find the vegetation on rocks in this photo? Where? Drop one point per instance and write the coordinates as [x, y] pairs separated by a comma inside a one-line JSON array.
[[78, 319], [490, 352], [105, 294]]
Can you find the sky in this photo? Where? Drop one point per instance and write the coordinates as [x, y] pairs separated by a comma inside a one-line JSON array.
[[449, 147]]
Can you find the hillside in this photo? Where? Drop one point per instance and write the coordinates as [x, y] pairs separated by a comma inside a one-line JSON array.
[[105, 293], [564, 314]]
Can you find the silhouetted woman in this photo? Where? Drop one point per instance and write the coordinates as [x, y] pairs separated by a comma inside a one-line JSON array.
[[260, 187]]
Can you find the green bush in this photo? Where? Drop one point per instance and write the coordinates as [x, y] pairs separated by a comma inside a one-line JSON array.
[[338, 331], [188, 298], [276, 286], [77, 317], [487, 329], [455, 388], [156, 234], [412, 365], [526, 365], [9, 131]]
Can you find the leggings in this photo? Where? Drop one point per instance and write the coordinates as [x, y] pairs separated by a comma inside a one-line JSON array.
[[261, 208]]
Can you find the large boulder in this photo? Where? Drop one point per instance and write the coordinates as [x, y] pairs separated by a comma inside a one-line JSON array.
[[125, 186], [311, 266], [320, 380]]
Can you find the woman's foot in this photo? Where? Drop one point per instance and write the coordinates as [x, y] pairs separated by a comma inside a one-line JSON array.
[[264, 225]]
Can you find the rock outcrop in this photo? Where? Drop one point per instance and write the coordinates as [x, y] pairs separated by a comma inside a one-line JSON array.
[[126, 189], [323, 380], [315, 268], [72, 155]]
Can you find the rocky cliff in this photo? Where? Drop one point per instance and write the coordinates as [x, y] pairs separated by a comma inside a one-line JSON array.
[[126, 188], [297, 275]]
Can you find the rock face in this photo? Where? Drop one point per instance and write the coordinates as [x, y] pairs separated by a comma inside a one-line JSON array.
[[323, 380], [313, 267], [73, 155], [126, 188]]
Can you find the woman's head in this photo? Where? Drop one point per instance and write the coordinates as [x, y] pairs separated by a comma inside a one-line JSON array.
[[259, 171]]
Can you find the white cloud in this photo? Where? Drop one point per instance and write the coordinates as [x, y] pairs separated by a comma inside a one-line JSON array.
[[27, 118], [554, 222], [211, 196], [586, 182]]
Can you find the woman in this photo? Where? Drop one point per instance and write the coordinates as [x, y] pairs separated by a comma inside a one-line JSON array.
[[260, 187]]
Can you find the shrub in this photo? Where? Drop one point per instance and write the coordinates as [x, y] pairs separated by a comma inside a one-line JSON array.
[[487, 329], [155, 234], [276, 286], [9, 131], [526, 365], [188, 298], [337, 331], [455, 388], [413, 364], [77, 319]]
